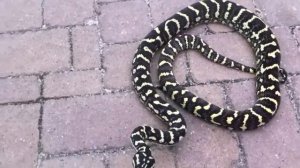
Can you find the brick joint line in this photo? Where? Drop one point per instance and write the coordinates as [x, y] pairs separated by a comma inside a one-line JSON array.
[[106, 150], [101, 46], [149, 14], [43, 13], [112, 91], [242, 158], [293, 99], [40, 120], [189, 76], [292, 28]]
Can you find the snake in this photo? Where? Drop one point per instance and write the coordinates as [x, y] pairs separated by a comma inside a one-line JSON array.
[[166, 36]]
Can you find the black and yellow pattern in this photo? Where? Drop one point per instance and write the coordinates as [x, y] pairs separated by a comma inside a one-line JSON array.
[[268, 74]]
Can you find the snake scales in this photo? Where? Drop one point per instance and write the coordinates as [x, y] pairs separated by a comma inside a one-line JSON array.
[[268, 75]]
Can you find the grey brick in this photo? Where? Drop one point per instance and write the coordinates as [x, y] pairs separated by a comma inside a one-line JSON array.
[[242, 94], [67, 12], [84, 161], [19, 136], [280, 13], [290, 58], [121, 25], [19, 89], [86, 47], [118, 63], [276, 144], [72, 83], [205, 142], [34, 52], [93, 122], [20, 14], [162, 159]]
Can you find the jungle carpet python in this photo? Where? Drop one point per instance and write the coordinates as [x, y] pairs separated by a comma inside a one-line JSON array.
[[268, 73]]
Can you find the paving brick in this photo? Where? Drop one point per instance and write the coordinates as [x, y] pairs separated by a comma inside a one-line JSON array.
[[276, 144], [290, 55], [280, 12], [72, 83], [19, 89], [83, 161], [121, 25], [93, 122], [86, 47], [67, 12], [170, 8], [20, 14], [19, 136], [296, 86], [230, 45], [297, 36], [222, 28], [242, 94], [192, 152], [118, 63], [162, 159], [34, 52]]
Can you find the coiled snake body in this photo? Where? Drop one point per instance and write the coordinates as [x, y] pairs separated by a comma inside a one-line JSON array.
[[268, 75]]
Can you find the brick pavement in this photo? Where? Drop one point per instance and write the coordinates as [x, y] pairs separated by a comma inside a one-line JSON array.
[[66, 98]]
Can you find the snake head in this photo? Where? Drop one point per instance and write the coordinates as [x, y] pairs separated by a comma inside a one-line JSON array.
[[143, 160]]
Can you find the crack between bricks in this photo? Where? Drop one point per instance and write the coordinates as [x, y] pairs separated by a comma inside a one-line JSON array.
[[242, 158], [101, 46], [67, 70], [292, 29], [100, 3], [40, 29], [257, 10], [149, 14], [43, 13], [99, 151], [189, 75], [289, 85], [70, 40], [111, 91], [40, 120]]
